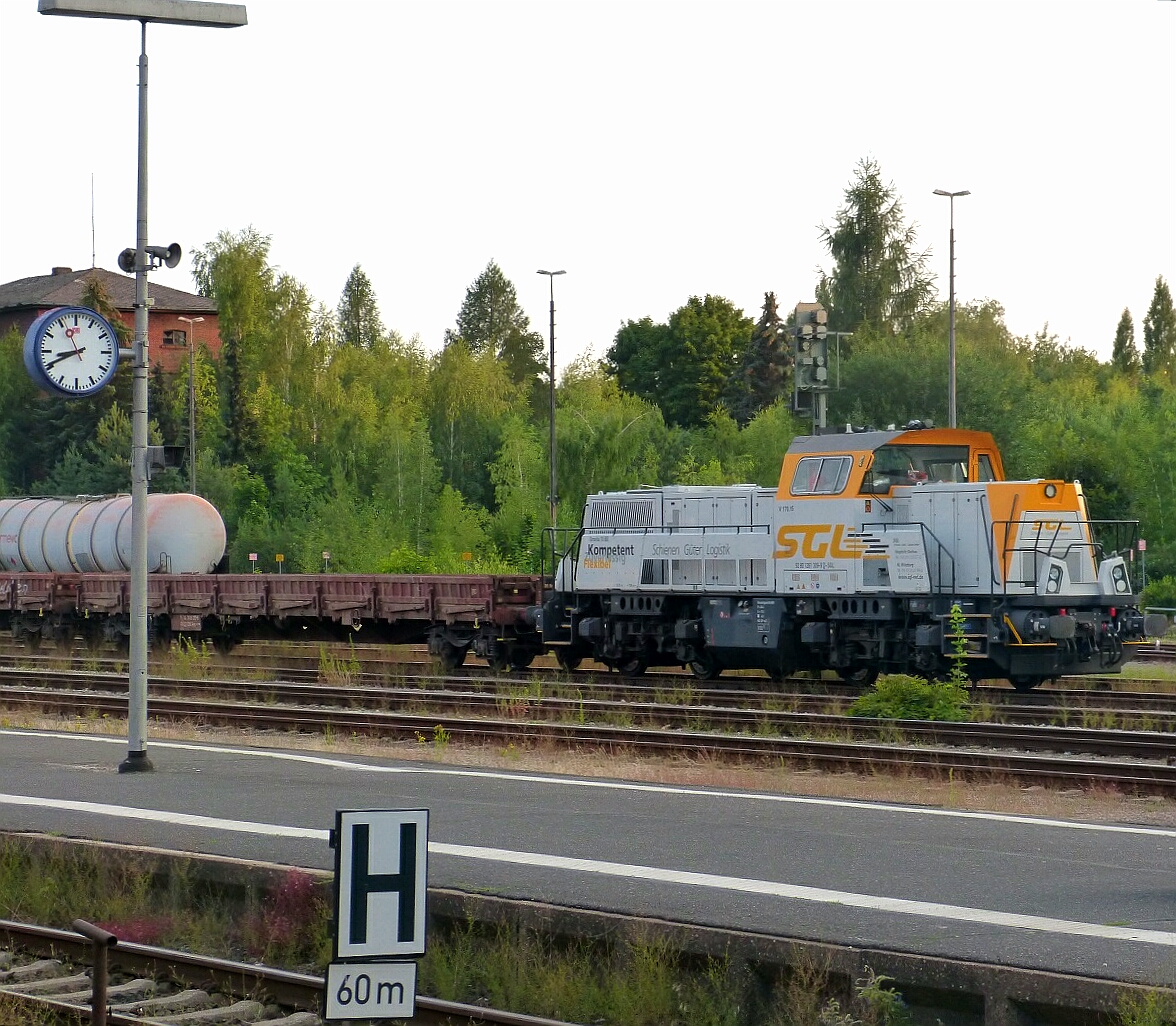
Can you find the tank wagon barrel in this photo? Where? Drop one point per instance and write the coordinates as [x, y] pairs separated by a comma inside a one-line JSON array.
[[185, 534]]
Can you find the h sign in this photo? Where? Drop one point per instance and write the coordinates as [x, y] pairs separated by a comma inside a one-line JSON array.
[[380, 870]]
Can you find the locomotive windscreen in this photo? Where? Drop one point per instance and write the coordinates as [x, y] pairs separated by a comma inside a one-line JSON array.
[[916, 464]]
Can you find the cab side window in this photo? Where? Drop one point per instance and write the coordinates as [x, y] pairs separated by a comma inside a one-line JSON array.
[[821, 475]]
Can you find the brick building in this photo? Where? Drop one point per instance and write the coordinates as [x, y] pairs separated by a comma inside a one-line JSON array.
[[23, 301]]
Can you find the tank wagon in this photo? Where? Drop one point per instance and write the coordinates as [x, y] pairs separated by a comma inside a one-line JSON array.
[[853, 563]]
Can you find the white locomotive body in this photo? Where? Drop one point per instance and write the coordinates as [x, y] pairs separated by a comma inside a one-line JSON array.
[[893, 551]]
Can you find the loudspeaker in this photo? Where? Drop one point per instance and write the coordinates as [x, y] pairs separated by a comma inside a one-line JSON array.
[[169, 256], [126, 261]]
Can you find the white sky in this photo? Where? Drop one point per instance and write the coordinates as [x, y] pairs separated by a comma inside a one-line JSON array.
[[654, 150]]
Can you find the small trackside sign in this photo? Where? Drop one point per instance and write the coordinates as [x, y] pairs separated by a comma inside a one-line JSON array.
[[380, 876], [370, 990]]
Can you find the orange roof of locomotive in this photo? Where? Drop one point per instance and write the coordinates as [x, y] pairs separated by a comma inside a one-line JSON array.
[[862, 443]]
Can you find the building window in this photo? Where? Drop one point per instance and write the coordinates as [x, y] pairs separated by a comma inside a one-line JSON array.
[[175, 337]]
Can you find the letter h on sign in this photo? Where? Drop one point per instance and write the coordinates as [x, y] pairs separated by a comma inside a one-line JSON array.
[[380, 875]]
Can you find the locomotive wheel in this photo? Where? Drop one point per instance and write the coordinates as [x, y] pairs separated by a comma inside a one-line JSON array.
[[567, 662], [1025, 682], [705, 667], [863, 676], [634, 667]]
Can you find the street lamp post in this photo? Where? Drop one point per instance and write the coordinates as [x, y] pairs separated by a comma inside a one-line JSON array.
[[172, 12], [951, 346], [191, 322], [553, 497]]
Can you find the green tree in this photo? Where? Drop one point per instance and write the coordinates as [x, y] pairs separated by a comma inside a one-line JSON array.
[[1159, 332], [878, 276], [234, 270], [1124, 355], [684, 365], [491, 320], [469, 395], [765, 372], [359, 318]]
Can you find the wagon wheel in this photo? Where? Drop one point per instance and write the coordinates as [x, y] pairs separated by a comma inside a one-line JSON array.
[[452, 656], [92, 632], [863, 676], [498, 660], [706, 667], [1025, 681], [568, 661], [521, 660], [633, 667]]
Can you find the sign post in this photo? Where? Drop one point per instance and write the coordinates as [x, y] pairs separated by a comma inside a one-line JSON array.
[[381, 859], [1143, 562]]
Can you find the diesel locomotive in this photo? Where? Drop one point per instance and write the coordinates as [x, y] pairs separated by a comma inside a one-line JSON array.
[[898, 551]]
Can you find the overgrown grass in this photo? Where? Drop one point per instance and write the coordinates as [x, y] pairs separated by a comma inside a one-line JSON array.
[[898, 696], [609, 982], [338, 670], [641, 984], [127, 896]]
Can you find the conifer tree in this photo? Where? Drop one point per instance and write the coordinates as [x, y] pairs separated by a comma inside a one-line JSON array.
[[1159, 331], [878, 275], [1124, 356], [491, 319], [764, 372], [359, 318]]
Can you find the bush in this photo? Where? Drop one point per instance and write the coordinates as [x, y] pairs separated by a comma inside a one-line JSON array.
[[901, 697], [1161, 592]]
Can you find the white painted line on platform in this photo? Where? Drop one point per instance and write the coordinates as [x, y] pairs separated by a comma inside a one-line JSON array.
[[347, 765], [623, 870]]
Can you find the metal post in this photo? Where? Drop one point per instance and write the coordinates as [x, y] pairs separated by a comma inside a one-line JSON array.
[[553, 495], [103, 942], [951, 342], [137, 711], [951, 346], [192, 322]]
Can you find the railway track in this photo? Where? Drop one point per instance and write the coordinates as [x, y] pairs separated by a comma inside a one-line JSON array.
[[50, 968], [1135, 761]]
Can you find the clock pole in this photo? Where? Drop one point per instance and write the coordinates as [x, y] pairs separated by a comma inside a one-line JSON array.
[[173, 12], [137, 711]]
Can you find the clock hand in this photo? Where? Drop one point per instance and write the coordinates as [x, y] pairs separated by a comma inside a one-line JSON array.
[[65, 356]]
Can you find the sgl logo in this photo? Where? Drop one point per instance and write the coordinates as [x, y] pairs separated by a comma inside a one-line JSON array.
[[816, 541]]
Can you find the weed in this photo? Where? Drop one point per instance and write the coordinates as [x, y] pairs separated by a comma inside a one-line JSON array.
[[189, 661], [958, 674], [290, 925], [441, 737], [901, 697], [337, 671], [1151, 1009]]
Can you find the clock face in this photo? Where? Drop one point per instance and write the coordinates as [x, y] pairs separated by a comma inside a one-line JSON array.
[[71, 350]]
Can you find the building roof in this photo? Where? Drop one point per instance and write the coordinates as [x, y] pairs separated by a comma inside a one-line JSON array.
[[64, 288]]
